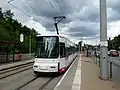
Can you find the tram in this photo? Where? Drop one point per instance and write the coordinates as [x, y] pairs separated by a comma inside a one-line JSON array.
[[54, 54]]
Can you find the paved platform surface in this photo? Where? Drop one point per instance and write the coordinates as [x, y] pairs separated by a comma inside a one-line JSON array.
[[5, 66], [90, 77], [83, 75], [66, 81]]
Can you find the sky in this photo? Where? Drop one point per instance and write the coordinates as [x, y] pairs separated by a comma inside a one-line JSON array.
[[81, 22]]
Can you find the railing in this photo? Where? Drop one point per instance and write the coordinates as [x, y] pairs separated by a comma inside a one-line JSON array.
[[114, 70]]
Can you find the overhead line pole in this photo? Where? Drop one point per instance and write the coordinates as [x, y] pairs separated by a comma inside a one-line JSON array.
[[103, 41], [81, 44]]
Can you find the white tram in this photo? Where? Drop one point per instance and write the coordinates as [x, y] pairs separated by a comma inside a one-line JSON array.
[[53, 54]]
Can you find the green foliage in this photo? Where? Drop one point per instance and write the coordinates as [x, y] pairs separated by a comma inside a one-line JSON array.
[[114, 43], [8, 14], [10, 30], [1, 14]]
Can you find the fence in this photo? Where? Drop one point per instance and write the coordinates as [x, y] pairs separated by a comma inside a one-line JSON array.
[[113, 69], [14, 57], [3, 56]]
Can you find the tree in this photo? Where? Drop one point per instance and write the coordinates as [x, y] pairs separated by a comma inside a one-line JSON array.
[[116, 42], [8, 14], [1, 14], [10, 30], [109, 44]]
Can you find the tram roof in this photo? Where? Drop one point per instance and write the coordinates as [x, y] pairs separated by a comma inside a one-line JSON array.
[[48, 35], [54, 35]]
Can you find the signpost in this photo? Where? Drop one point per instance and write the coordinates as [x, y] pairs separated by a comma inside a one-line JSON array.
[[21, 40]]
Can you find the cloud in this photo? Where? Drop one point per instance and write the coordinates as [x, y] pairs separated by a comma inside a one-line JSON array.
[[75, 12], [86, 29], [113, 10], [82, 17]]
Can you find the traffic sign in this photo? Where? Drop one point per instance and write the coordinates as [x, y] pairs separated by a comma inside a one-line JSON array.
[[21, 37]]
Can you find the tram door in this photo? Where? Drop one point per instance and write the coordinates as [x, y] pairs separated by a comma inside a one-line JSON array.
[[63, 54]]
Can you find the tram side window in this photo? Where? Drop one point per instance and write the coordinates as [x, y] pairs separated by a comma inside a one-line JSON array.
[[62, 49], [66, 52]]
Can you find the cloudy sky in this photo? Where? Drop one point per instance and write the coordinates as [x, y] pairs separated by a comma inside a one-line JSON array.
[[82, 17]]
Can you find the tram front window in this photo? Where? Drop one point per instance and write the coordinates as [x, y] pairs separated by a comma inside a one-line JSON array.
[[47, 47]]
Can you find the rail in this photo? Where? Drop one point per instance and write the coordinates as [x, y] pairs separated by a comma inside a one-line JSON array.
[[15, 70], [113, 68]]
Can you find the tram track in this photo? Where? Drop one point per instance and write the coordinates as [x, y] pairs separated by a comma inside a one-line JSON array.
[[15, 70], [25, 84], [45, 84], [33, 79]]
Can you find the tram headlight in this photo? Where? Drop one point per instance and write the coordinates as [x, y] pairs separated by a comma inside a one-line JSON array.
[[52, 67], [35, 66]]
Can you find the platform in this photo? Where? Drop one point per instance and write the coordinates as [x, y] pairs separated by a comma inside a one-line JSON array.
[[83, 75], [13, 64]]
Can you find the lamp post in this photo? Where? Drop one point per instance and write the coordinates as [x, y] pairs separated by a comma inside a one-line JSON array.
[[103, 41], [81, 44]]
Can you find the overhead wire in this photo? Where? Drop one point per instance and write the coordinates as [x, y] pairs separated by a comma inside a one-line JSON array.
[[17, 8], [58, 2], [78, 11], [34, 8], [78, 8], [30, 6], [52, 5], [34, 11], [20, 9]]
